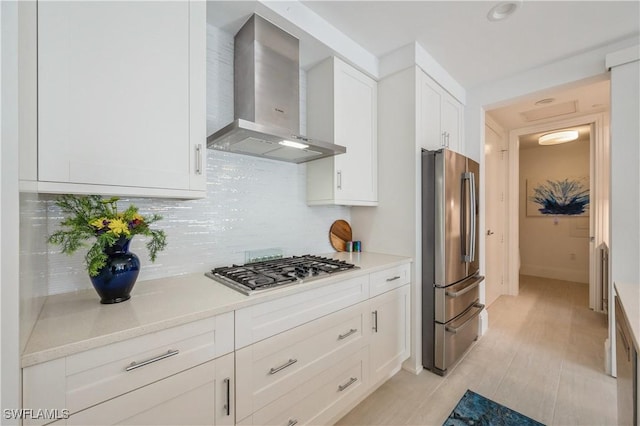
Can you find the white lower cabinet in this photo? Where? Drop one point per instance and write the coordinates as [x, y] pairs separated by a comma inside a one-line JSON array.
[[184, 398], [135, 380], [316, 372], [317, 400], [390, 343], [306, 358], [273, 367]]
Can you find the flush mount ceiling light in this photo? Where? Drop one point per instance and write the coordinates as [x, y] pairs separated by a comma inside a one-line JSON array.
[[556, 138], [293, 144], [545, 101], [503, 10]]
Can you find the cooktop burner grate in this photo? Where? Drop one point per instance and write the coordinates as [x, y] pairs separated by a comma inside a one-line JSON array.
[[252, 277]]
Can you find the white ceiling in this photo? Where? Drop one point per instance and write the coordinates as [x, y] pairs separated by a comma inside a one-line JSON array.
[[473, 49], [458, 35]]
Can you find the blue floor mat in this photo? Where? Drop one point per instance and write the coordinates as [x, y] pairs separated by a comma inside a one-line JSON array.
[[476, 410]]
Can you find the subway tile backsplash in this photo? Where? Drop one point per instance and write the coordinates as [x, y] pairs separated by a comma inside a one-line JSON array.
[[251, 204]]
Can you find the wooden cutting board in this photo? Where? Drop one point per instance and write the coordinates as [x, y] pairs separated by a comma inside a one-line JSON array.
[[339, 234]]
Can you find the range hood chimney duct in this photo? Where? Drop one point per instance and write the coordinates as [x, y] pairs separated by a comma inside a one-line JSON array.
[[266, 99]]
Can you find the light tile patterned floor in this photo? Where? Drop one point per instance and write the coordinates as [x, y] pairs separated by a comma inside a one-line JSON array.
[[543, 356]]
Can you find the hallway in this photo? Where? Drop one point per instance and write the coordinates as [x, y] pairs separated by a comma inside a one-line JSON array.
[[543, 356]]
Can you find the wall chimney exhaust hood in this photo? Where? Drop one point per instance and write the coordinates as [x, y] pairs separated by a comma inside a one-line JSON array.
[[266, 99]]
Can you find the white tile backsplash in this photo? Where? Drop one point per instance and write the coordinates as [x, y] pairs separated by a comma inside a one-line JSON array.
[[251, 204]]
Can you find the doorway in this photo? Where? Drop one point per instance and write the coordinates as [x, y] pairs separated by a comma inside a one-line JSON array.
[[554, 200], [598, 184]]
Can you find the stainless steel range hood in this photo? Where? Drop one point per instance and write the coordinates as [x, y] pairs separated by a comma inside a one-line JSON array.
[[266, 99]]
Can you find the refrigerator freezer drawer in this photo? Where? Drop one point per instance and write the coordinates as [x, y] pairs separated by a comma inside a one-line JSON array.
[[455, 337], [455, 299]]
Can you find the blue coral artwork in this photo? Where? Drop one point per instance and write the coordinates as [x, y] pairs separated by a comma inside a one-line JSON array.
[[553, 197]]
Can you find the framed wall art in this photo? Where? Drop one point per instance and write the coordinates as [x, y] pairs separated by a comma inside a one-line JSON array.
[[567, 196]]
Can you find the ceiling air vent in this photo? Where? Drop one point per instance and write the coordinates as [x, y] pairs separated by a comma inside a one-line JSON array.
[[550, 111]]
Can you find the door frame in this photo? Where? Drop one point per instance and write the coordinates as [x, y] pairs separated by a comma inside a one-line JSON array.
[[599, 160], [504, 142]]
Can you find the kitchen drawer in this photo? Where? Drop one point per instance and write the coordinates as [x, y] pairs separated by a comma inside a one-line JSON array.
[[258, 322], [273, 367], [184, 398], [391, 278], [321, 398], [88, 378]]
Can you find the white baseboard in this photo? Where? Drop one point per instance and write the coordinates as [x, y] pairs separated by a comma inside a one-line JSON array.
[[565, 274]]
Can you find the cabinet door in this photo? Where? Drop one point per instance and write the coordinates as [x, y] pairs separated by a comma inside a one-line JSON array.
[[452, 122], [429, 115], [117, 104], [184, 398], [225, 405], [342, 107], [390, 332], [355, 118]]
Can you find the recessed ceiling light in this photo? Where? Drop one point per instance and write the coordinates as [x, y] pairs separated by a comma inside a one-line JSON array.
[[503, 10], [545, 101], [556, 138]]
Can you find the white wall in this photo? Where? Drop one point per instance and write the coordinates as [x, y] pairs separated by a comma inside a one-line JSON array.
[[554, 247], [9, 297], [625, 172], [251, 204], [572, 71]]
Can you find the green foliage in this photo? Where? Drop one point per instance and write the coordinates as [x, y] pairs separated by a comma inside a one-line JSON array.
[[93, 217]]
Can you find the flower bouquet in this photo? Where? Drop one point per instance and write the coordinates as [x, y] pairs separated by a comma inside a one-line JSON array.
[[108, 261]]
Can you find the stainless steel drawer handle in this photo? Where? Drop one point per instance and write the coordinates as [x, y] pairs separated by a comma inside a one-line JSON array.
[[455, 330], [347, 334], [283, 366], [475, 284], [292, 422], [346, 385], [397, 277], [135, 365], [375, 321]]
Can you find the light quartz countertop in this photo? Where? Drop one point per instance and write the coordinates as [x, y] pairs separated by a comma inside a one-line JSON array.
[[629, 295], [74, 322]]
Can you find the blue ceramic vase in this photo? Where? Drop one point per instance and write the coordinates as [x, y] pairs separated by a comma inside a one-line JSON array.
[[116, 279]]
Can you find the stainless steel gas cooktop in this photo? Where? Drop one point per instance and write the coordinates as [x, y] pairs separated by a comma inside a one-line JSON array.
[[255, 277]]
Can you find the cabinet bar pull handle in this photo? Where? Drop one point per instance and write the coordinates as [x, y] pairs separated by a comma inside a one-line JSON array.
[[199, 159], [347, 334], [283, 366], [444, 139], [135, 365], [375, 321], [339, 179], [346, 385], [227, 405], [292, 422], [397, 277]]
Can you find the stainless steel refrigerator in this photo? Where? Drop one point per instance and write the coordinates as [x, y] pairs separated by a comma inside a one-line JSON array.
[[450, 279]]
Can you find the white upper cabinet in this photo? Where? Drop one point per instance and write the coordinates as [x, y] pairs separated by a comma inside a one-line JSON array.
[[342, 108], [439, 115], [121, 98]]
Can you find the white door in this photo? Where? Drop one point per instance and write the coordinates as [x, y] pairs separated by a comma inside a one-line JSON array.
[[495, 174]]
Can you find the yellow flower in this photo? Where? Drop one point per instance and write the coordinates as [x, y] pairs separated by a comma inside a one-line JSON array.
[[98, 223], [119, 227]]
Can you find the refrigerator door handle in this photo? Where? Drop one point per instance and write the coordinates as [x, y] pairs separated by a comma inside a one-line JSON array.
[[468, 219], [474, 213]]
